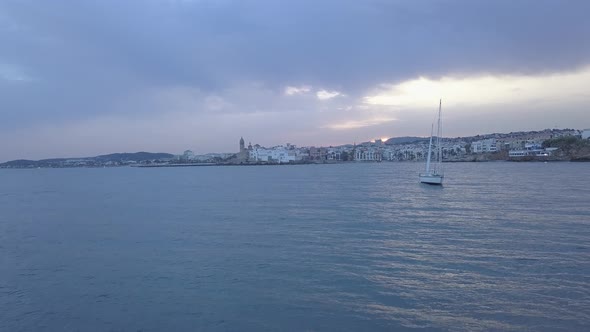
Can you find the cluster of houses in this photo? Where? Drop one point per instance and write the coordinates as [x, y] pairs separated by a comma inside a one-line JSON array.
[[516, 145], [368, 151], [523, 144]]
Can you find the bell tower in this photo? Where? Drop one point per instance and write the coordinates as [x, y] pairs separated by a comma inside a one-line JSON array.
[[242, 146]]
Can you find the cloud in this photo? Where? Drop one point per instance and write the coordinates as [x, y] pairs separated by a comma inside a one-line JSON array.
[[292, 90], [325, 95]]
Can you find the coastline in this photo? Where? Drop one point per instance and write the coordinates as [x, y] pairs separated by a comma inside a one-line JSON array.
[[473, 160]]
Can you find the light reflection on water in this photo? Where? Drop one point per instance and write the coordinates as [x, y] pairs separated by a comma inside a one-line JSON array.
[[501, 246]]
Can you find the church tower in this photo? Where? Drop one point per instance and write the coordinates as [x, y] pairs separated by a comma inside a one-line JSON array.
[[244, 154]]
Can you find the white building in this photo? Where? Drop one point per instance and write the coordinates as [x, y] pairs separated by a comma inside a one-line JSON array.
[[532, 152], [405, 152], [585, 133], [188, 155], [334, 153], [368, 154], [277, 154], [484, 146]]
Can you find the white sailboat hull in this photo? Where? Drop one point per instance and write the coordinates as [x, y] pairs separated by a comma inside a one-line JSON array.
[[436, 179]]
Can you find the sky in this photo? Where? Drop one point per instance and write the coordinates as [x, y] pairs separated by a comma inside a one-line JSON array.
[[83, 78]]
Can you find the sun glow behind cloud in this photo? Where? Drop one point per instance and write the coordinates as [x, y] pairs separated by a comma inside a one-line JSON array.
[[503, 95], [355, 124], [482, 90]]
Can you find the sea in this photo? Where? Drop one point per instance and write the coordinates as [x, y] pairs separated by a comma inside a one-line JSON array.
[[346, 247]]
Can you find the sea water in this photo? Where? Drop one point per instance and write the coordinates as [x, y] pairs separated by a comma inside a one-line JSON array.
[[346, 247]]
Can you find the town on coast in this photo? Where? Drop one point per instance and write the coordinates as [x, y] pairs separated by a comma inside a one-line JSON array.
[[544, 145]]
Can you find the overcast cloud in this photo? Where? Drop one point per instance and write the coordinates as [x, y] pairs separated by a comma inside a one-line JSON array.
[[80, 78]]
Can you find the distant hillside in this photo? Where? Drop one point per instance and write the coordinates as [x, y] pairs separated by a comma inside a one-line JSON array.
[[18, 163], [114, 159], [570, 148], [405, 140], [137, 156]]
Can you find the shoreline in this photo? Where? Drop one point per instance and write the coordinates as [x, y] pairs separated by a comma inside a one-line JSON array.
[[578, 160]]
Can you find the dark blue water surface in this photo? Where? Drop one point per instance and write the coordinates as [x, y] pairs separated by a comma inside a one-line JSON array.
[[349, 247]]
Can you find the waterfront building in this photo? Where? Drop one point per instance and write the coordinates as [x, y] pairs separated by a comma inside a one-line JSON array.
[[531, 152], [277, 154], [484, 146], [318, 153], [533, 149], [187, 155], [368, 154], [334, 154]]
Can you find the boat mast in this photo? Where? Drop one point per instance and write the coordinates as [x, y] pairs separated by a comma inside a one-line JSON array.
[[429, 150], [438, 134]]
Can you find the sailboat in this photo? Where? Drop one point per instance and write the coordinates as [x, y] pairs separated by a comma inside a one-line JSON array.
[[434, 174]]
